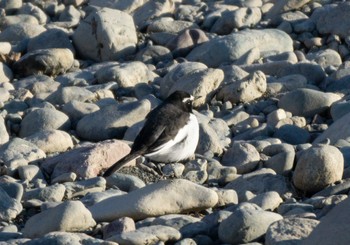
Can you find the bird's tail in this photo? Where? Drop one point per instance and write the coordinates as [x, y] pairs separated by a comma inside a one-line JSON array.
[[120, 164]]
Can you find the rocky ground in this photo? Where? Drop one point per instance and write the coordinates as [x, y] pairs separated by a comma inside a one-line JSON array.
[[77, 79]]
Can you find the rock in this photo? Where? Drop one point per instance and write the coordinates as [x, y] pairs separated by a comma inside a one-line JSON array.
[[201, 84], [290, 230], [111, 31], [268, 201], [144, 202], [33, 10], [87, 161], [340, 109], [70, 216], [154, 54], [51, 141], [16, 19], [53, 193], [61, 237], [150, 234], [281, 158], [43, 119], [118, 226], [20, 32], [125, 182], [239, 18], [243, 156], [17, 152], [246, 224], [84, 187], [325, 58], [10, 6], [257, 182], [6, 74], [170, 25], [50, 62], [125, 6], [246, 90], [125, 74], [229, 48], [314, 73], [287, 83], [30, 173], [77, 110], [332, 228], [318, 167], [4, 136], [307, 102], [9, 207], [185, 41], [151, 10], [292, 134], [67, 94], [226, 197], [332, 19], [112, 121], [177, 221]]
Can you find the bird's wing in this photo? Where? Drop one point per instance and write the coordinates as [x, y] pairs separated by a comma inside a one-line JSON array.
[[159, 129]]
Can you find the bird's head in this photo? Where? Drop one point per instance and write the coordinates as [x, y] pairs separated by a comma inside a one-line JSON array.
[[181, 99]]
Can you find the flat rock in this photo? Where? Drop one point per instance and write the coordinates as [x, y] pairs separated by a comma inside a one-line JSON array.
[[144, 235], [112, 121], [307, 102], [144, 202], [50, 62], [70, 216], [231, 47], [87, 161], [246, 224], [318, 167], [110, 30], [337, 130], [290, 230], [43, 119], [51, 141]]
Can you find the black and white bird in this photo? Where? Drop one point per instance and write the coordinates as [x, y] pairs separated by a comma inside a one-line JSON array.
[[170, 133]]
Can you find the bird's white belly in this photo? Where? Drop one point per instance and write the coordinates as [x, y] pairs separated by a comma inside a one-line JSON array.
[[181, 147]]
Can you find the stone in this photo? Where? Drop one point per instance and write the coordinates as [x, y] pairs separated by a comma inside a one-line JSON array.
[[292, 134], [150, 234], [332, 227], [246, 90], [177, 221], [108, 34], [61, 237], [125, 74], [318, 167], [307, 102], [246, 224], [154, 54], [281, 158], [239, 18], [76, 110], [50, 62], [9, 207], [287, 83], [6, 73], [125, 182], [51, 141], [314, 73], [118, 226], [4, 136], [87, 161], [112, 121], [30, 173], [268, 201], [33, 10], [229, 48], [84, 187], [43, 119], [144, 202], [53, 193], [325, 58], [290, 230], [17, 152], [20, 32], [67, 94], [201, 84], [70, 216], [16, 19], [170, 25], [226, 197], [243, 156], [125, 6], [332, 19], [340, 109]]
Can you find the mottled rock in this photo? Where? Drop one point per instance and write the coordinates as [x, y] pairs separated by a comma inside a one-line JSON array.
[[107, 34], [87, 161], [144, 202], [318, 167], [70, 216], [44, 61], [43, 119]]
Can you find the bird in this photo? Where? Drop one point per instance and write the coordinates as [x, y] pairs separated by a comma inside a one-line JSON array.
[[170, 133]]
